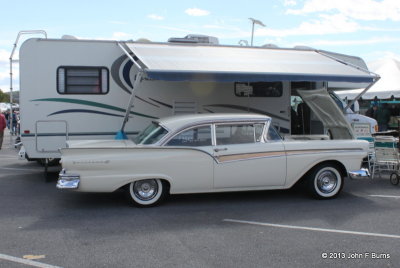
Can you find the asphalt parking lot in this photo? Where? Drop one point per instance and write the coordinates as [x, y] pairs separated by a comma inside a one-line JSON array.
[[41, 226]]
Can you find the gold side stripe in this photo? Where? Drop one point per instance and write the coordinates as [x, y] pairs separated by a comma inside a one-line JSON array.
[[319, 151], [247, 156], [236, 157]]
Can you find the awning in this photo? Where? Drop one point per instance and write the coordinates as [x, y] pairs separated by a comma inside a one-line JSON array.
[[176, 62]]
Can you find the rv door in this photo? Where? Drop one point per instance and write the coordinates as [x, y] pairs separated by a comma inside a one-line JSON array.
[[323, 106]]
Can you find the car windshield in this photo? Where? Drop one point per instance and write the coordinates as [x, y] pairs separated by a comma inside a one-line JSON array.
[[150, 135]]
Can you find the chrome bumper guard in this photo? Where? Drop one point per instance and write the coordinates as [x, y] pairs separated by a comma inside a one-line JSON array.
[[362, 173], [68, 181]]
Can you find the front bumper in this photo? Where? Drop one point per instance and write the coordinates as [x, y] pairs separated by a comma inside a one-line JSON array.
[[362, 173], [68, 181]]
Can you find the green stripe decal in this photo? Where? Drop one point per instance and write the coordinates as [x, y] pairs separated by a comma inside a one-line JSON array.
[[93, 104]]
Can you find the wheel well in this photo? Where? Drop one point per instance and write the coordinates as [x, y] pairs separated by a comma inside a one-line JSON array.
[[339, 165], [166, 182]]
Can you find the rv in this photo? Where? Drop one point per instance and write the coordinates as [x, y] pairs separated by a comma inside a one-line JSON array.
[[74, 89]]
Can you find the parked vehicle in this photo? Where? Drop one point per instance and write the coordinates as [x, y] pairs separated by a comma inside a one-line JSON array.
[[84, 89], [209, 153]]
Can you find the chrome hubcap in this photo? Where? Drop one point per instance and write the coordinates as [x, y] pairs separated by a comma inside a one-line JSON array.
[[327, 181], [145, 189]]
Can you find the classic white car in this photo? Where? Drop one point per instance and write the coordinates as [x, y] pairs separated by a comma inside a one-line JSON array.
[[209, 153]]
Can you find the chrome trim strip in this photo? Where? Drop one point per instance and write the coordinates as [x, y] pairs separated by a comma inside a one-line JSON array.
[[319, 151]]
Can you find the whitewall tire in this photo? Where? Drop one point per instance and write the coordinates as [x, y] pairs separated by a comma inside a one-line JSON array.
[[325, 181], [147, 193]]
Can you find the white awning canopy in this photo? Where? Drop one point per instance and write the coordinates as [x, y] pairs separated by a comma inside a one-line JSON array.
[[177, 62], [385, 88]]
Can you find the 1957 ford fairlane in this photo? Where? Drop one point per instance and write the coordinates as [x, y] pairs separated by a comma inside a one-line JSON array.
[[209, 153]]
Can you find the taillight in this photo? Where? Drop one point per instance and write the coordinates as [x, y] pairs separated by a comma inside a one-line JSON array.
[[376, 128]]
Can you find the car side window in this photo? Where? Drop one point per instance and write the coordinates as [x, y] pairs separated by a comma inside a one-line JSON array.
[[272, 134], [239, 133], [194, 137]]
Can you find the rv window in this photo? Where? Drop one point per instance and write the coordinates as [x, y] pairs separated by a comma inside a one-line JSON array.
[[259, 89], [82, 80]]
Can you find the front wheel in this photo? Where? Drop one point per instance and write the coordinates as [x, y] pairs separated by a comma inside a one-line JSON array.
[[325, 181], [147, 193]]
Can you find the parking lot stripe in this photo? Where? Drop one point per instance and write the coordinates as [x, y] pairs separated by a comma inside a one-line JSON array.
[[385, 196], [312, 229], [21, 169], [27, 262]]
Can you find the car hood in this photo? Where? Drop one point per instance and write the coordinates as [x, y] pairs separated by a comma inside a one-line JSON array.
[[100, 143], [328, 112]]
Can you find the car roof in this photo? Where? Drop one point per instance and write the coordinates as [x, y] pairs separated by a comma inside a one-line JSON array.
[[180, 121]]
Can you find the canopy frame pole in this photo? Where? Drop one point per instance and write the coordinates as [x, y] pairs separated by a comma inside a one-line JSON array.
[[362, 93], [129, 55], [347, 63], [376, 77], [138, 79]]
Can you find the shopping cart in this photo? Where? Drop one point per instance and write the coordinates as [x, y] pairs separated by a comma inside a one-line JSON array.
[[386, 158]]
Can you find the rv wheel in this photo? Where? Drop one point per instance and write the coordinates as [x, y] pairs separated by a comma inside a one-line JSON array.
[[50, 161], [394, 178]]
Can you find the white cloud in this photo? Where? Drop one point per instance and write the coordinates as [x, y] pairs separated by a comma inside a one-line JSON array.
[[374, 40], [117, 22], [355, 9], [4, 56], [326, 24], [155, 17], [121, 36], [289, 3], [4, 75], [197, 12]]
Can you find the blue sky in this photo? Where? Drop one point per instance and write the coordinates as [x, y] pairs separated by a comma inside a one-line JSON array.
[[366, 28]]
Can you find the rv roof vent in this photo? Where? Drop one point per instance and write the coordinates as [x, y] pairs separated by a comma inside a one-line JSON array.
[[67, 36], [195, 39], [270, 46], [304, 48]]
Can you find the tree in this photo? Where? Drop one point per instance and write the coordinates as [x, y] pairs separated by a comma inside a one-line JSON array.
[[4, 97]]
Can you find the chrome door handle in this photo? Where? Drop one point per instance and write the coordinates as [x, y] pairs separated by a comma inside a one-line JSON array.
[[220, 149]]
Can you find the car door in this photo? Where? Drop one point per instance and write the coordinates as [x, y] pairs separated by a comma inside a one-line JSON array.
[[193, 166], [246, 157]]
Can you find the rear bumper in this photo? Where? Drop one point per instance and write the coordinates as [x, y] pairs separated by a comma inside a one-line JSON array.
[[362, 173], [68, 181]]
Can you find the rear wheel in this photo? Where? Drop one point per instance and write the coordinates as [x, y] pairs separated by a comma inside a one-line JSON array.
[[147, 193], [394, 178], [325, 181]]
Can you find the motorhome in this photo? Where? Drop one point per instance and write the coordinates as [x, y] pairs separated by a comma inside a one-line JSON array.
[[74, 89]]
